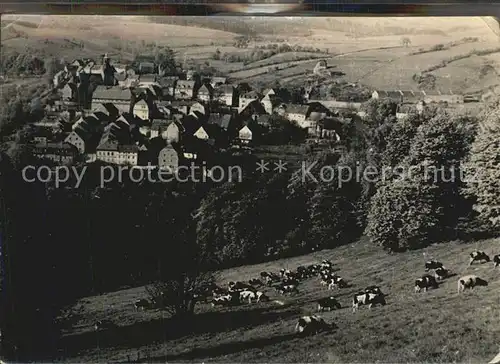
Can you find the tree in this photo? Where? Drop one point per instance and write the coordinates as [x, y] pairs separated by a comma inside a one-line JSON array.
[[403, 215], [333, 206], [184, 265], [165, 59], [482, 169], [379, 112]]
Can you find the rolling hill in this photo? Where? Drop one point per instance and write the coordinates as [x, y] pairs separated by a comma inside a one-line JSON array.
[[437, 326]]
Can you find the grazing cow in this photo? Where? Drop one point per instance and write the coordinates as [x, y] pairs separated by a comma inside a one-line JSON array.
[[264, 275], [247, 295], [478, 256], [311, 325], [287, 288], [469, 282], [328, 303], [239, 286], [432, 264], [374, 289], [326, 264], [288, 281], [370, 299], [142, 304], [261, 296], [336, 282], [224, 300], [496, 260], [425, 283], [284, 272], [255, 282], [441, 273]]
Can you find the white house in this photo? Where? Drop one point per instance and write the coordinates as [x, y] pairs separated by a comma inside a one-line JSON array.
[[245, 134], [141, 110], [201, 134], [298, 113], [172, 133], [168, 159]]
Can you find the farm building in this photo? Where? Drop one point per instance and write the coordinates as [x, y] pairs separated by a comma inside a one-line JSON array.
[[438, 96]]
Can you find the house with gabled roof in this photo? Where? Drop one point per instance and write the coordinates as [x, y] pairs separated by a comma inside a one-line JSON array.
[[172, 133], [226, 95], [247, 98], [201, 133], [205, 93], [185, 90], [216, 81], [168, 159], [77, 138], [245, 135], [141, 109], [298, 113], [252, 108], [120, 97]]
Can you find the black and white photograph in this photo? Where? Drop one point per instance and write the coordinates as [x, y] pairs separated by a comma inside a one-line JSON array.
[[249, 189]]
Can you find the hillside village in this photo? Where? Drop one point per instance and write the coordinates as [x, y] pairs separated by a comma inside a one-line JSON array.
[[240, 269], [147, 117]]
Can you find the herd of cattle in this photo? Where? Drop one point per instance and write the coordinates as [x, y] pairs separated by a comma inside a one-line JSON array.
[[287, 282]]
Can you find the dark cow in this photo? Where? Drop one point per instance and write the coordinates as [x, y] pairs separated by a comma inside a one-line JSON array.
[[328, 304], [255, 282], [288, 281], [478, 256], [496, 260], [239, 286], [230, 299], [469, 282], [374, 289], [336, 282], [287, 288], [425, 283], [142, 304], [311, 325], [441, 273], [365, 298], [432, 264]]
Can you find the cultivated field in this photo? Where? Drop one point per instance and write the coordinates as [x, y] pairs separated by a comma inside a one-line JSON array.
[[437, 326], [367, 50]]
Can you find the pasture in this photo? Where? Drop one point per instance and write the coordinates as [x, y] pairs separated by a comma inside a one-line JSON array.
[[433, 326]]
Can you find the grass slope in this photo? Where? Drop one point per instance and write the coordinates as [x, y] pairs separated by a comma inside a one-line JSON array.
[[438, 326]]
